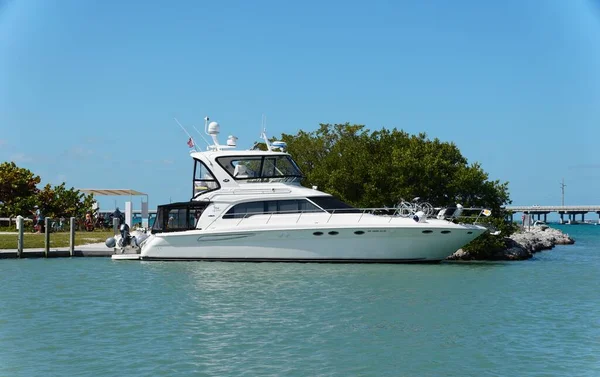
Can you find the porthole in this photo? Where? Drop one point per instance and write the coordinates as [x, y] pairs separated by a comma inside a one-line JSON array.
[[359, 232], [445, 231], [428, 231], [469, 232], [333, 233], [318, 233]]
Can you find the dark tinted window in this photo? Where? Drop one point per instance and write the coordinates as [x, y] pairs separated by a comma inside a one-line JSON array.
[[270, 206], [178, 216]]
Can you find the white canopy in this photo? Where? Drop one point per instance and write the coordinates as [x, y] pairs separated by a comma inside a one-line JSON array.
[[112, 192]]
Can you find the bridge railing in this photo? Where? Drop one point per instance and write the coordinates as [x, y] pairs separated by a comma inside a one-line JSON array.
[[578, 208]]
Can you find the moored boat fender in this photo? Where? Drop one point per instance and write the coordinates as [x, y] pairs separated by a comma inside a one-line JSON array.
[[110, 242]]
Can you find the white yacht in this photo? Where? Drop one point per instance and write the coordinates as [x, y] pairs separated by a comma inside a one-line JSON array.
[[249, 206]]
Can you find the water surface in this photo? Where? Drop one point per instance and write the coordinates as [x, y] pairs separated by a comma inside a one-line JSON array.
[[96, 317]]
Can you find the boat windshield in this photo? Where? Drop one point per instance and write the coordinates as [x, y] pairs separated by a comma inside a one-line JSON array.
[[270, 168], [204, 180]]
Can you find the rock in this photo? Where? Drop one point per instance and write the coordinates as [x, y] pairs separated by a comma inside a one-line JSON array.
[[540, 238], [522, 245], [460, 254], [513, 251]]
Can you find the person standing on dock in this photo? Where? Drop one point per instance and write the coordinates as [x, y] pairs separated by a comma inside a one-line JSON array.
[[39, 219], [117, 214]]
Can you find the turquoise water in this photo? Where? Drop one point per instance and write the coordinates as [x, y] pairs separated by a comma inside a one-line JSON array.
[[95, 317]]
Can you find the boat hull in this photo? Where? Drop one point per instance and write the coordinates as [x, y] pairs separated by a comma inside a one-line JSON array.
[[348, 245]]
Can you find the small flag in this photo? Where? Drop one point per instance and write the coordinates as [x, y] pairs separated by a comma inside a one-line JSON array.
[[190, 143], [486, 212]]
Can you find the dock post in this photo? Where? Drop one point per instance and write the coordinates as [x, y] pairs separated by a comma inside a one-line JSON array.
[[20, 236], [115, 226], [46, 237], [72, 237], [115, 231]]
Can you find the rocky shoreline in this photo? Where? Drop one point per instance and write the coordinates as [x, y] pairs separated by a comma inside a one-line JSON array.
[[523, 244]]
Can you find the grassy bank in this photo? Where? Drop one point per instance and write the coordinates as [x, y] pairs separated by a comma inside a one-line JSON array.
[[60, 239]]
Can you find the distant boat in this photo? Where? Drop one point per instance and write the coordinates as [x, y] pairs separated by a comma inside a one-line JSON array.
[[575, 222]]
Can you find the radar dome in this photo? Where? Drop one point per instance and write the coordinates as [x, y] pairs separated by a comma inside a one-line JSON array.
[[213, 128], [232, 141]]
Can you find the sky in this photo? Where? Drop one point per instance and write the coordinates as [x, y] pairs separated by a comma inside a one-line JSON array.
[[89, 90]]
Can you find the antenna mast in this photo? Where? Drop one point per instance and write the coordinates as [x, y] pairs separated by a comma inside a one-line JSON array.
[[203, 138], [263, 134], [187, 133], [562, 186]]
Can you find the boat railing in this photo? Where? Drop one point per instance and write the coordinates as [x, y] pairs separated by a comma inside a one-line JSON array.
[[414, 212], [390, 213]]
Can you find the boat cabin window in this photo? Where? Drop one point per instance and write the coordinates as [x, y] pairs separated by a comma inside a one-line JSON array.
[[178, 216], [332, 204], [204, 180], [270, 207], [270, 168]]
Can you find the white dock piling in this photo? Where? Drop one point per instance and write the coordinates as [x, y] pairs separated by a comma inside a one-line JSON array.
[[46, 237], [72, 237], [20, 236], [115, 226]]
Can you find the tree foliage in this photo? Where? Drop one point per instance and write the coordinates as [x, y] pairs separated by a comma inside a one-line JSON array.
[[18, 189], [19, 194], [58, 201], [373, 169], [487, 244]]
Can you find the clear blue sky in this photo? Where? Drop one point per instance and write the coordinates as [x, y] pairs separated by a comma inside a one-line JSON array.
[[88, 90]]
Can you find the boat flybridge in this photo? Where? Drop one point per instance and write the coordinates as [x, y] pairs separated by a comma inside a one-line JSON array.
[[249, 205]]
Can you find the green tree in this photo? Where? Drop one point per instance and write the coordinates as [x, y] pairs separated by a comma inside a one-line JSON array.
[[487, 244], [19, 194], [18, 190], [370, 169], [58, 201]]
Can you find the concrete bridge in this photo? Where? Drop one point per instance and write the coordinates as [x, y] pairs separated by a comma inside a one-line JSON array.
[[569, 211]]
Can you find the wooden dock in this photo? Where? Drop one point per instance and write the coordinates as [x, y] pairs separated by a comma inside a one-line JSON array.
[[90, 250]]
